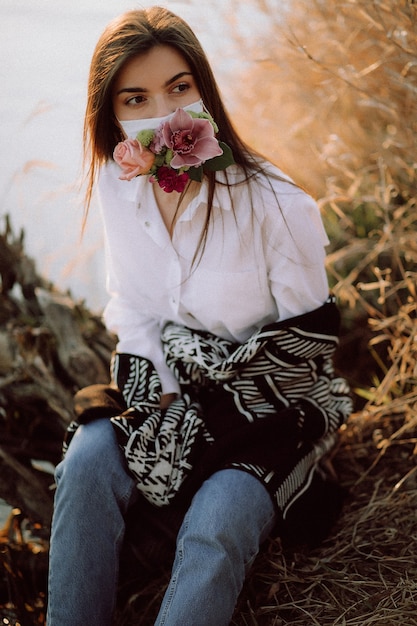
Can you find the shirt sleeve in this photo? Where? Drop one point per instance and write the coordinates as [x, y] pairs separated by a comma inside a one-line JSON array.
[[295, 254], [139, 335]]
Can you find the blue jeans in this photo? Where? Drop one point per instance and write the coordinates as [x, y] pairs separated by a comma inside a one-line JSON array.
[[229, 517]]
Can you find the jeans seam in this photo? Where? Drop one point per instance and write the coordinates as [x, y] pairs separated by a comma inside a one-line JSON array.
[[172, 587], [262, 537], [243, 559]]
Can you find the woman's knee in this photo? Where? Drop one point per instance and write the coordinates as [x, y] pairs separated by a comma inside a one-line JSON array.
[[93, 470], [234, 510], [93, 451]]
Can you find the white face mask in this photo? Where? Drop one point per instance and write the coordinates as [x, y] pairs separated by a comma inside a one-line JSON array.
[[132, 127]]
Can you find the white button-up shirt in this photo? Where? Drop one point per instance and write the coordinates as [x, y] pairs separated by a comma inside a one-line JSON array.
[[260, 264]]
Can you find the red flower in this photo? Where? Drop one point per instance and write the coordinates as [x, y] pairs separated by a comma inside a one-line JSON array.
[[170, 180]]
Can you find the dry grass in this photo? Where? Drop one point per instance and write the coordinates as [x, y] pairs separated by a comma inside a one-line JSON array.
[[365, 572], [332, 91]]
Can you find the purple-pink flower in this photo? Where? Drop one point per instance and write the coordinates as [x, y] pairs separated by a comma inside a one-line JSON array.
[[157, 144], [133, 158], [192, 140]]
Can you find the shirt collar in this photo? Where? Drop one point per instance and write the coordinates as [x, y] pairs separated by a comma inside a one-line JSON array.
[[133, 190]]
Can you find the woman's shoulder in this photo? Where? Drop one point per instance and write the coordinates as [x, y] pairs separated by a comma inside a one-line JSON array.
[[263, 189], [264, 175], [271, 179]]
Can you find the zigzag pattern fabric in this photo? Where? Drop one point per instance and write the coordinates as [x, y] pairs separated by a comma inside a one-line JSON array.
[[288, 405], [160, 446]]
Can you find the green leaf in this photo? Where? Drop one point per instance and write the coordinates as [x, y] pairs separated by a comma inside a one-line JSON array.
[[222, 161], [196, 173], [159, 160], [169, 155]]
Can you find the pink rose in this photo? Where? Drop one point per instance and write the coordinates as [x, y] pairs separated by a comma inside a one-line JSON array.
[[192, 140], [133, 158]]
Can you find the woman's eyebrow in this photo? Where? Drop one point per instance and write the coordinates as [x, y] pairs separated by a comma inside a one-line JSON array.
[[143, 90], [131, 90], [176, 77]]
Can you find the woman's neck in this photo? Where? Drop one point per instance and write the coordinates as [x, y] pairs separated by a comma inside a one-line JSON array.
[[170, 206]]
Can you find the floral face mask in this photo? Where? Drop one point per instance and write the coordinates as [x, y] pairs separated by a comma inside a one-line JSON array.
[[172, 150]]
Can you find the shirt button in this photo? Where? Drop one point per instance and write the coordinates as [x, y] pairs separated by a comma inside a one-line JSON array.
[[147, 224]]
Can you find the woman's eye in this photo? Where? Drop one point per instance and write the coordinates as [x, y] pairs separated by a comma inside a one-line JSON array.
[[135, 100], [181, 87]]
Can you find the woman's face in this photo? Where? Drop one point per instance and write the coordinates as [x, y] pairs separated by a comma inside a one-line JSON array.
[[153, 84]]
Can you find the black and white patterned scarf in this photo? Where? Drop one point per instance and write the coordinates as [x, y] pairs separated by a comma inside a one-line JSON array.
[[271, 406]]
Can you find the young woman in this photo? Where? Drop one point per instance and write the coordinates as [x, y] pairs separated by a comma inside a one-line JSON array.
[[223, 398]]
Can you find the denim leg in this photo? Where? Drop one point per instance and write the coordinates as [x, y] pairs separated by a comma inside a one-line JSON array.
[[93, 493], [229, 517]]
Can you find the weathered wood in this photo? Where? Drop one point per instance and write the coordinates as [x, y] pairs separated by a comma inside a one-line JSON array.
[[50, 346], [27, 490], [77, 359]]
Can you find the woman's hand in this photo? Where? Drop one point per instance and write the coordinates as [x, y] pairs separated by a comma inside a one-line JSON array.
[[166, 400]]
